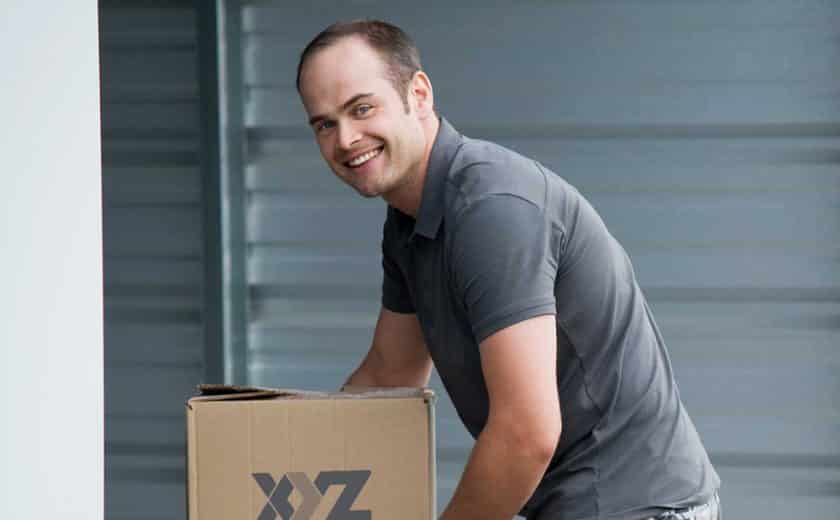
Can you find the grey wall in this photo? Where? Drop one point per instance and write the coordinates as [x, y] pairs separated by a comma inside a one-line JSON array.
[[51, 400], [707, 134], [154, 239]]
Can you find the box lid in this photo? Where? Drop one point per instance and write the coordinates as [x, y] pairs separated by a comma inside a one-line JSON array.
[[221, 392]]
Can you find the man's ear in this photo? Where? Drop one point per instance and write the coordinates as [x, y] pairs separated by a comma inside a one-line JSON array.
[[421, 90]]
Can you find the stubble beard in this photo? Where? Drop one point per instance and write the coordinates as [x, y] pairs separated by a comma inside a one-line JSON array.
[[383, 182], [368, 187]]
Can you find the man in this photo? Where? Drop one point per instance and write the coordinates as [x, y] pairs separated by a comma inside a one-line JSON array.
[[503, 276]]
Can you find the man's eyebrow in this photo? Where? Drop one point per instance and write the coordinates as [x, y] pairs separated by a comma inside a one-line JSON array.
[[314, 119]]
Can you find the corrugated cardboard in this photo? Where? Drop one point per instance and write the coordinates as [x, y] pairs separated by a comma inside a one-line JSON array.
[[274, 454]]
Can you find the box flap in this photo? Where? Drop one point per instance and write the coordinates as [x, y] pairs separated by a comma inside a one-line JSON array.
[[220, 392], [350, 392]]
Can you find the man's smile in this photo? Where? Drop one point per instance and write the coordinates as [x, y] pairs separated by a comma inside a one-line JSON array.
[[363, 158]]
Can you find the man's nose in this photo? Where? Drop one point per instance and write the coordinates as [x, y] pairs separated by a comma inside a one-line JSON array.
[[347, 135]]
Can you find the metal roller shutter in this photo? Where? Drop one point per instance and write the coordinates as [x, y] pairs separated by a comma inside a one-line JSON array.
[[707, 134], [153, 265]]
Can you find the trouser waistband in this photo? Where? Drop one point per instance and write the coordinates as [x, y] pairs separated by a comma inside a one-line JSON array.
[[708, 511]]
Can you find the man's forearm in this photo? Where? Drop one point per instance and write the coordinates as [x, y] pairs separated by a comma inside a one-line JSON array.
[[500, 476]]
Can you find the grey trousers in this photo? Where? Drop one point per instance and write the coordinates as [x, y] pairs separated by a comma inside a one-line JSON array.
[[708, 511]]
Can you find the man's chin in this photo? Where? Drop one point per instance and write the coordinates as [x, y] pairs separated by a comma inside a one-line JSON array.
[[367, 192], [367, 195], [368, 186]]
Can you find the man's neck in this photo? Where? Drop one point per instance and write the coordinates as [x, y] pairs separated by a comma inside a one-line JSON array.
[[407, 198]]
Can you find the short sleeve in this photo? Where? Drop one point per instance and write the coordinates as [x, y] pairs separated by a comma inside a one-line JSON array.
[[504, 259], [395, 295]]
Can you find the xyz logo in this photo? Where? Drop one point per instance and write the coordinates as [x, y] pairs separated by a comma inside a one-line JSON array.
[[278, 494]]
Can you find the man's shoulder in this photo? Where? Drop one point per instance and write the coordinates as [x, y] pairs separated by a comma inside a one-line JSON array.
[[482, 169]]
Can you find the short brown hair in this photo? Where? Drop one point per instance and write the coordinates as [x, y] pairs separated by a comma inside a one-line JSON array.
[[394, 46]]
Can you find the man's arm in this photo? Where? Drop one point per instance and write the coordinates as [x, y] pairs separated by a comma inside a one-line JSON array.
[[523, 427], [398, 355]]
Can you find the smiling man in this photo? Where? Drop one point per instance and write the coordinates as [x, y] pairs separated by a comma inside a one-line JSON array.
[[502, 275]]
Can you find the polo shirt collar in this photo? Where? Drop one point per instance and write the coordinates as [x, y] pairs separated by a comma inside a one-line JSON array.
[[430, 214]]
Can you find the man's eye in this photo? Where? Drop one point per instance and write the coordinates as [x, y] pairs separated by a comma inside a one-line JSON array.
[[363, 109], [324, 125]]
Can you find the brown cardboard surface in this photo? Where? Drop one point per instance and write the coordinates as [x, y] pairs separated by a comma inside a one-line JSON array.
[[298, 442]]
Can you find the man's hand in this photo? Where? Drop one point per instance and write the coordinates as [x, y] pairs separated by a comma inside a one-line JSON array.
[[398, 355], [523, 427]]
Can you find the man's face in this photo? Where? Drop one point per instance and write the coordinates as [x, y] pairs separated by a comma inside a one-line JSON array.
[[359, 119]]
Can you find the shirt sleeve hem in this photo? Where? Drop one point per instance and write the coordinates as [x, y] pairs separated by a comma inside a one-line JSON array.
[[512, 316], [400, 308]]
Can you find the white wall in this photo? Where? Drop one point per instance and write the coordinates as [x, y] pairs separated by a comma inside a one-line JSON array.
[[51, 414]]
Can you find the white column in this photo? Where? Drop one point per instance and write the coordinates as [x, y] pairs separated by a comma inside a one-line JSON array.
[[51, 389]]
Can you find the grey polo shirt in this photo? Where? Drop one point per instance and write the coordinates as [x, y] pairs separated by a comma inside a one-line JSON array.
[[499, 239]]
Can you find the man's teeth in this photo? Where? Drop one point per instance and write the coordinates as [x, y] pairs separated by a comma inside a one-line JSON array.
[[358, 161]]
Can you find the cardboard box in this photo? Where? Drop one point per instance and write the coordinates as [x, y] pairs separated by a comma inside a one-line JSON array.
[[273, 454]]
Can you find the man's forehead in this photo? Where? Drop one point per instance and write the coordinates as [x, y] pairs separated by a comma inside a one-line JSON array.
[[333, 75]]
